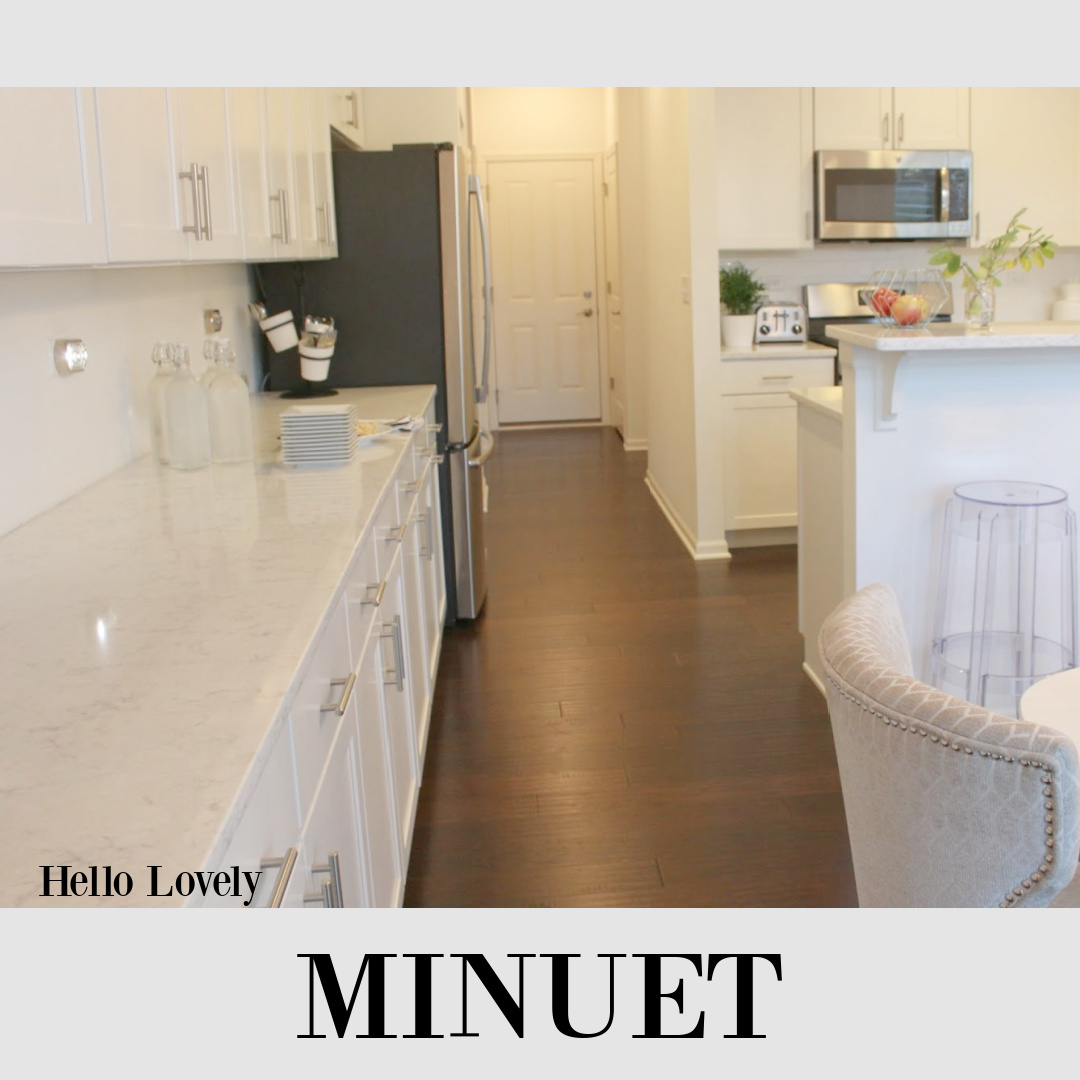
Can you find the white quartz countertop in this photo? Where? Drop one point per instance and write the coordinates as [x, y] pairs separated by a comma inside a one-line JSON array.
[[957, 337], [828, 400], [786, 351], [152, 626]]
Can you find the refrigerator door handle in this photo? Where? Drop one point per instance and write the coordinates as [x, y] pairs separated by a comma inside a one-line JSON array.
[[477, 462], [457, 447], [475, 189]]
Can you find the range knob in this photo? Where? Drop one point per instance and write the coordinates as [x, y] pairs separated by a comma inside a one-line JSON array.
[[763, 329], [796, 328]]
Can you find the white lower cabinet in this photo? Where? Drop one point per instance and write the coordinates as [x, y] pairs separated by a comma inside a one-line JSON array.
[[760, 438], [329, 821], [405, 757]]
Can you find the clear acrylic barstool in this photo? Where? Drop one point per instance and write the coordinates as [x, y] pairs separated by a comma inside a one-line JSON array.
[[1006, 597]]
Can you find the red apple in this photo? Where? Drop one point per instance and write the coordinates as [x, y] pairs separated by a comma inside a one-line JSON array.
[[909, 309], [882, 300]]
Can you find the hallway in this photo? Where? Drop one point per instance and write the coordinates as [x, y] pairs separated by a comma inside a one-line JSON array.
[[622, 726]]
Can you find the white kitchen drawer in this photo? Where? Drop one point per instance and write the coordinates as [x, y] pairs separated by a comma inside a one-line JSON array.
[[314, 717], [774, 376], [268, 827]]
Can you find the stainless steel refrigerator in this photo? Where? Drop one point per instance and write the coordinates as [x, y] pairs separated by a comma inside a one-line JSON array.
[[412, 250]]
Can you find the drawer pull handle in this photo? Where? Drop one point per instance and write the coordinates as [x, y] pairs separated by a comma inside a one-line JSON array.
[[435, 429], [332, 866], [376, 600], [324, 897], [343, 704], [396, 533], [411, 487], [397, 676], [287, 864], [776, 378]]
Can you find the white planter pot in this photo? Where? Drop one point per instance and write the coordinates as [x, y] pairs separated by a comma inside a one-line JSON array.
[[738, 331]]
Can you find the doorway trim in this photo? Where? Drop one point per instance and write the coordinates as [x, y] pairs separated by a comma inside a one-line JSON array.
[[482, 160]]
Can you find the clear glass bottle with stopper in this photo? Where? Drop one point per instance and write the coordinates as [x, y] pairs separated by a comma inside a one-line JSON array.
[[163, 357], [210, 351], [230, 408], [187, 423]]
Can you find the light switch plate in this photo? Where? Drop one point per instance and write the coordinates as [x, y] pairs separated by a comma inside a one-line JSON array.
[[684, 283]]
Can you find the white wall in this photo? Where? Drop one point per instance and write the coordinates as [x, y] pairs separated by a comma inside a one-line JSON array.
[[1022, 297], [60, 434], [412, 114], [634, 262], [538, 119], [668, 327]]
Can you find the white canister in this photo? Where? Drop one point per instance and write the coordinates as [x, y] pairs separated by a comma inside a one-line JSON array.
[[1066, 310], [280, 331]]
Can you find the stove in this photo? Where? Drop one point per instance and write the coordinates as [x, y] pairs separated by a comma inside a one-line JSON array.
[[838, 303]]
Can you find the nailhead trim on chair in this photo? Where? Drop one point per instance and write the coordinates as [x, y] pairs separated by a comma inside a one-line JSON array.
[[1047, 779]]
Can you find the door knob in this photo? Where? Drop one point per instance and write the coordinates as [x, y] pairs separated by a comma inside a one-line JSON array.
[[587, 312], [588, 294]]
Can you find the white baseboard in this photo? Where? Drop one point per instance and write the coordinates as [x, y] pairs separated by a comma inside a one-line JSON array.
[[741, 538], [709, 549], [631, 445], [814, 679]]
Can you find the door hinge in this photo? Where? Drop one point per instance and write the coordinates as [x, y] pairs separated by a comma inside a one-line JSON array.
[[609, 288], [611, 380], [605, 187]]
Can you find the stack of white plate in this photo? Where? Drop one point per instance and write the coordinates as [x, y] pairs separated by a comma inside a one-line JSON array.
[[318, 436]]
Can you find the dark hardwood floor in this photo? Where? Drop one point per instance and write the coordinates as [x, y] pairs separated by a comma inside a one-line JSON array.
[[622, 726]]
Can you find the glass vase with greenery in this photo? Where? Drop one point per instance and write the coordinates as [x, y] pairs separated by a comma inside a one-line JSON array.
[[997, 256], [740, 292]]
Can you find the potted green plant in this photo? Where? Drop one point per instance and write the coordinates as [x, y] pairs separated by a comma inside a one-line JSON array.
[[996, 256], [741, 294]]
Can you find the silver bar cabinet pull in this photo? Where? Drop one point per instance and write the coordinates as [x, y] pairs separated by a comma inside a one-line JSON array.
[[319, 210], [281, 212], [393, 630], [193, 175], [945, 193], [332, 866], [900, 129], [204, 181], [286, 231], [287, 864], [354, 111], [376, 600], [885, 129], [340, 706]]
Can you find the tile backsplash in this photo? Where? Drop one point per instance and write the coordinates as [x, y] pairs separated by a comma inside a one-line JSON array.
[[1023, 297], [61, 434]]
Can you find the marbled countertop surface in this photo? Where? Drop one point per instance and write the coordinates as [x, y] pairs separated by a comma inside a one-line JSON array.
[[786, 351], [152, 627], [957, 337]]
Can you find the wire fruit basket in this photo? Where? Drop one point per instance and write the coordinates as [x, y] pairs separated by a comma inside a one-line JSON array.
[[905, 299]]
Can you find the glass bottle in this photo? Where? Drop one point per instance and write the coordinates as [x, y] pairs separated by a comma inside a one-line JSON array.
[[230, 408], [187, 423], [209, 351], [162, 356]]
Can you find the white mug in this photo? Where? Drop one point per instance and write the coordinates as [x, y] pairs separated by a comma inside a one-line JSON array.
[[280, 331]]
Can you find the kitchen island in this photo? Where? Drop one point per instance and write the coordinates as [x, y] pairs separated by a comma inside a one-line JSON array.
[[159, 629], [920, 412]]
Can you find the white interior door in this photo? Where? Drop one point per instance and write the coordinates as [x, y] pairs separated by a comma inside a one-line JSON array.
[[547, 353], [616, 353]]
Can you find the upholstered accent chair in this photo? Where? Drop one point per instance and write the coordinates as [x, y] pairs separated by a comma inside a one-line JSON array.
[[947, 803]]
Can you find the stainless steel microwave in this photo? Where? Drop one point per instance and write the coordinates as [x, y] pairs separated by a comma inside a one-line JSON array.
[[892, 194]]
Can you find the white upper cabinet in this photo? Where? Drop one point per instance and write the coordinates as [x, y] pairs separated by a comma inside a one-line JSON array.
[[891, 118], [322, 171], [347, 113], [51, 210], [765, 184], [279, 163], [140, 170], [167, 172], [204, 140], [247, 120], [1024, 142], [300, 146]]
